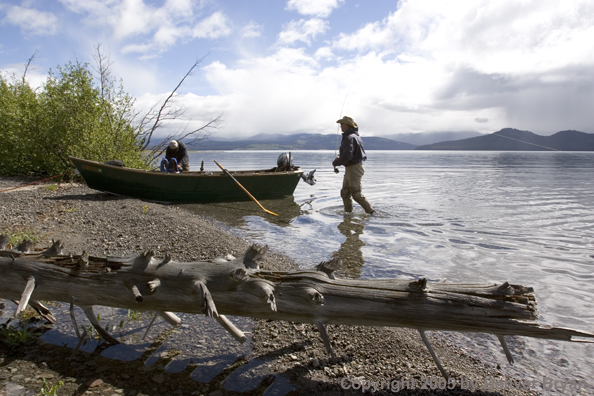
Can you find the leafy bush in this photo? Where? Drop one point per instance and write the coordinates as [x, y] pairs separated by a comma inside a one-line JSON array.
[[68, 116]]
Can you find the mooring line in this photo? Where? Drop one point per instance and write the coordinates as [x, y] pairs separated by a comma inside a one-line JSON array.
[[39, 181]]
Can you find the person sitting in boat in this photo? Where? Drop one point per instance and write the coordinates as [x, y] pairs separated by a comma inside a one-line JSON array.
[[176, 158]]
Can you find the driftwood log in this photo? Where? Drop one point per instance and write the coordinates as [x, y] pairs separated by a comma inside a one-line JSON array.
[[238, 287]]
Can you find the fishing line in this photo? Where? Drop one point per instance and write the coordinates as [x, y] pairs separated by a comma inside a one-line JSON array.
[[534, 144]]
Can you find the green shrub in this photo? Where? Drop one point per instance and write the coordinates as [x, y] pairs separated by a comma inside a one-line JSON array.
[[67, 116]]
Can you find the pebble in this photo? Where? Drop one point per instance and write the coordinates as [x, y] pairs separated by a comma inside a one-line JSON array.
[[159, 378], [95, 383]]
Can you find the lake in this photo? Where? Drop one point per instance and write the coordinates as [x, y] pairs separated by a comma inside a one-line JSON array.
[[522, 217]]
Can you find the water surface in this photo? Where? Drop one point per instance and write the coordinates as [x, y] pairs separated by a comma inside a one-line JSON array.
[[522, 217]]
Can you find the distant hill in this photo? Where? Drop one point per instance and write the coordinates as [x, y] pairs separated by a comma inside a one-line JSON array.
[[301, 141], [510, 139], [431, 137]]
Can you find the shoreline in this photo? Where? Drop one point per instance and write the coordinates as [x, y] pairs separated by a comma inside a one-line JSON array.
[[101, 225]]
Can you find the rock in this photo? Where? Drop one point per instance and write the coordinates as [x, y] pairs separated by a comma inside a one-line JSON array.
[[101, 369], [159, 378], [95, 383], [216, 393], [315, 363]]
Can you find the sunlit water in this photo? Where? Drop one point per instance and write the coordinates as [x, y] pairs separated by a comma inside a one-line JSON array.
[[522, 217]]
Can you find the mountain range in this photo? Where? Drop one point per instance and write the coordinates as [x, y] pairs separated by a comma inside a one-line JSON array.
[[300, 141], [510, 139], [431, 137]]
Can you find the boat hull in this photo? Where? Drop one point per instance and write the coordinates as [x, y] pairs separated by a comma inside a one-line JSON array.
[[186, 187]]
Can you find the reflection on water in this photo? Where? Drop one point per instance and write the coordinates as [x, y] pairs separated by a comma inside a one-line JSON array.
[[350, 250], [234, 213]]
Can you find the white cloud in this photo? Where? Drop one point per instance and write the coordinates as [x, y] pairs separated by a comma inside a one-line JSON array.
[[319, 8], [32, 21], [215, 26], [505, 59], [252, 29], [304, 30], [503, 36], [428, 65], [33, 77], [150, 30], [324, 53]]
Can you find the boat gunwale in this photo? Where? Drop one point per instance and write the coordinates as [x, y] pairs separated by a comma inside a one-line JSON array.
[[250, 173]]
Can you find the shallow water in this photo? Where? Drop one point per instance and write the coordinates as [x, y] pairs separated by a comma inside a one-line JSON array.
[[522, 217]]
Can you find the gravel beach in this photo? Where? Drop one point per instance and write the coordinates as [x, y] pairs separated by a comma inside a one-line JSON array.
[[101, 224]]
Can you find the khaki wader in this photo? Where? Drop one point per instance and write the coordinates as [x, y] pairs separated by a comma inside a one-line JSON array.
[[351, 187]]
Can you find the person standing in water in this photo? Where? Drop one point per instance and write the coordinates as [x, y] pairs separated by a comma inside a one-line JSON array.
[[351, 156]]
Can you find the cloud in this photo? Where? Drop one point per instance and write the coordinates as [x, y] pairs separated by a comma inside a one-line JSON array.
[[427, 66], [150, 30], [252, 29], [215, 26], [510, 61], [33, 77], [324, 53], [504, 36], [304, 30], [32, 21], [318, 8]]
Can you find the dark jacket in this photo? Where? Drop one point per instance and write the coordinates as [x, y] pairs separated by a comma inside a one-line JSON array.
[[351, 149], [181, 154]]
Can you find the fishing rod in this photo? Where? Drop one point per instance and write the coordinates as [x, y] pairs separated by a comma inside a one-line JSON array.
[[338, 126]]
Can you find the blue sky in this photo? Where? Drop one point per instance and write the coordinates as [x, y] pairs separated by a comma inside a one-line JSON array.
[[288, 66]]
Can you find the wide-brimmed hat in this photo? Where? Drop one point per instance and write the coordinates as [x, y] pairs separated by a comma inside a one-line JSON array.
[[347, 120], [173, 145]]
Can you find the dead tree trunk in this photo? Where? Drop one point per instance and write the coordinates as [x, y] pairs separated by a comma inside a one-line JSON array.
[[239, 287]]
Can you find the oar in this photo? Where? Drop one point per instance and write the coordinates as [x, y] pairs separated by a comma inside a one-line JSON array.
[[243, 188]]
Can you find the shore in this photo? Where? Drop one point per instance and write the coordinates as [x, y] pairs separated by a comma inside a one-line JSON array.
[[101, 224]]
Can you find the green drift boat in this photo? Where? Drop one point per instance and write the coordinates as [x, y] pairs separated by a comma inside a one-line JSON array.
[[187, 187]]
